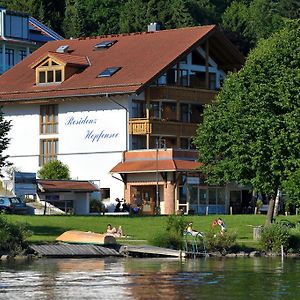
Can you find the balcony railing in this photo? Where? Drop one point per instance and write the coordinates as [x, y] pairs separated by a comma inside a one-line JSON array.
[[140, 126], [145, 126], [182, 93]]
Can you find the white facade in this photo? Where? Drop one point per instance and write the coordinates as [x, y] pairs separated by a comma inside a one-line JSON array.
[[92, 134]]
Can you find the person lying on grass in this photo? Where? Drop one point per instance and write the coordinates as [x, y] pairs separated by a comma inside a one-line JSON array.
[[114, 232]]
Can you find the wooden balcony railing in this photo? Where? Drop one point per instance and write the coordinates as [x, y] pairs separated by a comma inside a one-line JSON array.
[[182, 93], [145, 126], [140, 126]]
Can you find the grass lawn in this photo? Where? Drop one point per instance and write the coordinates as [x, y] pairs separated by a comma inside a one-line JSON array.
[[47, 228]]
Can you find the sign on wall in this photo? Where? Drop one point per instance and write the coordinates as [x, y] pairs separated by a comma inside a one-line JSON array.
[[94, 131], [24, 183]]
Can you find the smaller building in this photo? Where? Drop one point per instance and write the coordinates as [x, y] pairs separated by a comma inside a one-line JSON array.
[[20, 35], [169, 180], [71, 196]]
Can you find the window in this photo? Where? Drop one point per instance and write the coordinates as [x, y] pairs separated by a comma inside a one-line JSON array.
[[138, 142], [49, 73], [105, 44], [22, 54], [155, 110], [168, 111], [9, 57], [187, 143], [171, 77], [196, 113], [185, 113], [191, 113], [197, 59], [48, 150], [48, 119], [109, 72], [138, 109]]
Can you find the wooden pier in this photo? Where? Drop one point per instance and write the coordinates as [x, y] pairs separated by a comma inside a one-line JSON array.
[[74, 250], [90, 250], [152, 251]]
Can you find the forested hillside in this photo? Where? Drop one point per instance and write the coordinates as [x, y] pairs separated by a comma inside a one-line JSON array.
[[245, 21]]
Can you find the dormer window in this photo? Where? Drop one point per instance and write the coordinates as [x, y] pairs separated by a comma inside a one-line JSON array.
[[49, 72], [52, 68]]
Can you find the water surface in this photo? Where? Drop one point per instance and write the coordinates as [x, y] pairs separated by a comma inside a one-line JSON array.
[[136, 278]]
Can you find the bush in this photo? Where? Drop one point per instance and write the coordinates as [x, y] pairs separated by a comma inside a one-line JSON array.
[[96, 206], [13, 237], [294, 241], [172, 237], [220, 242], [273, 236], [55, 170]]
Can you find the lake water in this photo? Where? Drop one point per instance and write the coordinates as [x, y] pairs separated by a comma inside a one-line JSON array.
[[151, 278]]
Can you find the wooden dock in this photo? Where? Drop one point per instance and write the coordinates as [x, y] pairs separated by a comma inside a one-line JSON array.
[[151, 251], [75, 250], [89, 250]]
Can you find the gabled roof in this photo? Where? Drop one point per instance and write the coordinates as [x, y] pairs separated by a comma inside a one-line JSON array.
[[66, 186], [47, 34], [64, 59], [142, 58]]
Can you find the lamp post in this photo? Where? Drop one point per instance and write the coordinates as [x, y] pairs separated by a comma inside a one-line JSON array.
[[158, 144], [157, 186]]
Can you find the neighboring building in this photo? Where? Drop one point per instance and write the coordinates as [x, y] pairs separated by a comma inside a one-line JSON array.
[[20, 35], [98, 103], [70, 196]]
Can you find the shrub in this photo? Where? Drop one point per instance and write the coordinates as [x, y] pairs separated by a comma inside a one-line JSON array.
[[220, 242], [96, 206], [172, 236], [294, 241], [273, 236], [55, 170], [13, 237]]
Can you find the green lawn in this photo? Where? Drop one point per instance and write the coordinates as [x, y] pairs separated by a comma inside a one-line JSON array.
[[47, 228]]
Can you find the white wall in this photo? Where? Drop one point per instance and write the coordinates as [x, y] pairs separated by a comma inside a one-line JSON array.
[[91, 138], [24, 142], [81, 203]]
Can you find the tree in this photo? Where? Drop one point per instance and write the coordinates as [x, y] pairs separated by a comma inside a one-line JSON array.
[[251, 133], [4, 141], [55, 170], [258, 19]]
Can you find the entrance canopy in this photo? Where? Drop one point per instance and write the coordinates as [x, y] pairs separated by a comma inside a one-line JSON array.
[[161, 160], [169, 165]]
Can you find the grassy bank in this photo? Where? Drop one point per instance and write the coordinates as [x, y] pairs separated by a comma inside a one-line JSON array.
[[47, 228]]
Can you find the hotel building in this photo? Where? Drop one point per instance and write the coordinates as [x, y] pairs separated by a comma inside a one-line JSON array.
[[123, 109]]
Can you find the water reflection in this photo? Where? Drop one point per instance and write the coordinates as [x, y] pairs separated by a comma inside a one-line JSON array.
[[118, 278]]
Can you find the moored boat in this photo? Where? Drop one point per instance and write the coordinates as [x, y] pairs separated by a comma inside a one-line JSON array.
[[83, 237]]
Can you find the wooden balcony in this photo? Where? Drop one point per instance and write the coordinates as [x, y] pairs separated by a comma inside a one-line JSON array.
[[182, 94], [145, 126], [139, 126]]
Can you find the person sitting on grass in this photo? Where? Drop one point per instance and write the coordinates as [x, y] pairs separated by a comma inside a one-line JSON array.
[[191, 231], [113, 231], [220, 223]]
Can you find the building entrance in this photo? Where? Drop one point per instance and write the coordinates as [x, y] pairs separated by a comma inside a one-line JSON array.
[[144, 198]]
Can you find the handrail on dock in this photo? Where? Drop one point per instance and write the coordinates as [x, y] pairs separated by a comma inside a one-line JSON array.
[[194, 244]]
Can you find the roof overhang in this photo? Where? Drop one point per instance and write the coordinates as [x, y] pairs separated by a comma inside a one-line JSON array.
[[150, 166]]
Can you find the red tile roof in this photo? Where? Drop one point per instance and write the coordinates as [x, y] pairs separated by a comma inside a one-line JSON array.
[[64, 58], [141, 56], [146, 166], [66, 186]]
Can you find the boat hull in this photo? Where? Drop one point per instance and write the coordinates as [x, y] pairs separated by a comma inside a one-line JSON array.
[[82, 237]]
